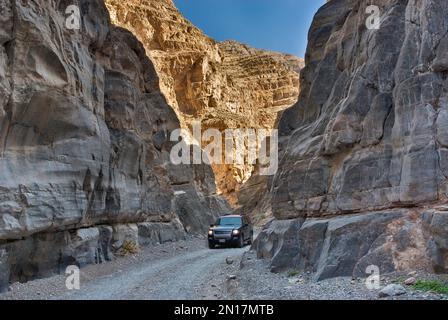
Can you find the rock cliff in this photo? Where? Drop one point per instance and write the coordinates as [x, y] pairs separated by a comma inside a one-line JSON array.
[[222, 85], [363, 171], [84, 144]]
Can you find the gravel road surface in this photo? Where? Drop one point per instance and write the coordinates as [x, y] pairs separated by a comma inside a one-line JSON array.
[[181, 277], [182, 270]]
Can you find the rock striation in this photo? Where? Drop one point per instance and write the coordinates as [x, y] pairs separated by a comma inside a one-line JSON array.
[[363, 173], [84, 144], [222, 85]]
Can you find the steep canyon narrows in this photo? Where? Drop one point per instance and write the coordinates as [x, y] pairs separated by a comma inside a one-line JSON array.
[[224, 85]]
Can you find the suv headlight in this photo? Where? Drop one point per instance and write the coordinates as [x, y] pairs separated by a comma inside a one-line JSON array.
[[210, 232], [236, 232]]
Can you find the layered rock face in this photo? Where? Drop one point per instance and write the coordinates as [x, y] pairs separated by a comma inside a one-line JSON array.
[[363, 171], [222, 85], [84, 144]]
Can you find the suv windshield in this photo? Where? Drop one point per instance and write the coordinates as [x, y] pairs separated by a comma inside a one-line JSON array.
[[229, 221]]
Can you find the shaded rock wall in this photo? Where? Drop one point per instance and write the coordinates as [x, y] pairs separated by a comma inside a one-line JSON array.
[[254, 198], [367, 137], [84, 144]]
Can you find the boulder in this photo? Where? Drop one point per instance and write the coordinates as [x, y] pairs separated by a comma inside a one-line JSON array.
[[392, 290], [150, 233], [344, 246], [124, 233], [105, 245], [4, 270], [45, 254], [84, 247], [410, 281], [436, 229]]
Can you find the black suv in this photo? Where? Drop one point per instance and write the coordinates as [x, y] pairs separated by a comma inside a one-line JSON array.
[[230, 230]]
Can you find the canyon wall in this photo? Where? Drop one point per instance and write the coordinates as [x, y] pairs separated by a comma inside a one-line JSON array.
[[363, 173], [222, 85], [85, 171]]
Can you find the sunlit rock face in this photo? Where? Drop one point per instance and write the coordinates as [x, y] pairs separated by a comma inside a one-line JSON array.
[[222, 85], [366, 139], [84, 144]]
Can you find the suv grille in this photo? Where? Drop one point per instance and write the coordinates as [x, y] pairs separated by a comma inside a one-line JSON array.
[[222, 232]]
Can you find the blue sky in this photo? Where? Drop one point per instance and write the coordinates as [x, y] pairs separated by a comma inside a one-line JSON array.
[[278, 25]]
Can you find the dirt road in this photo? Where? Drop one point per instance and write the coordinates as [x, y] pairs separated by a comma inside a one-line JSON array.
[[182, 277], [183, 270]]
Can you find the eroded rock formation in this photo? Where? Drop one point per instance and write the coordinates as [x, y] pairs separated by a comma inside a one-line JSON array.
[[363, 171], [84, 148], [222, 85]]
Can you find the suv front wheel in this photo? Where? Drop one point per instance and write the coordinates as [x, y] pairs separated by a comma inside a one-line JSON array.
[[241, 241], [251, 239]]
